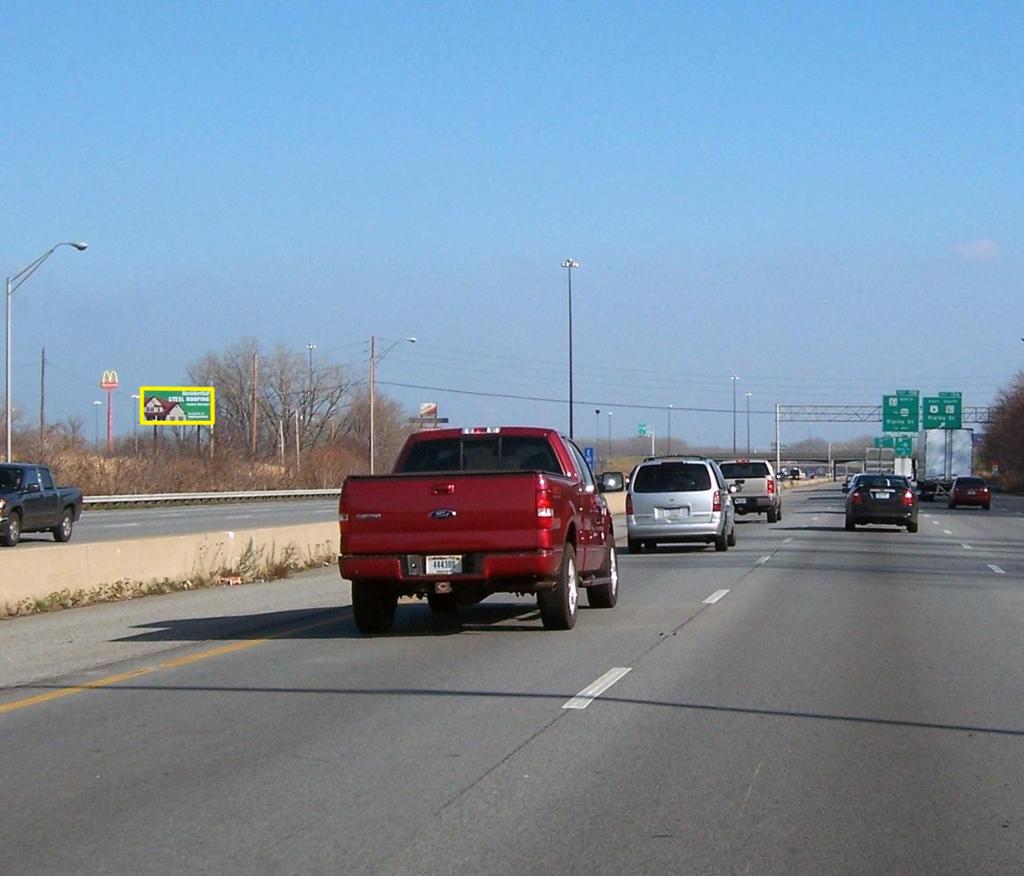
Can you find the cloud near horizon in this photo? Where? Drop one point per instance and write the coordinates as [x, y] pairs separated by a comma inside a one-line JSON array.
[[983, 250]]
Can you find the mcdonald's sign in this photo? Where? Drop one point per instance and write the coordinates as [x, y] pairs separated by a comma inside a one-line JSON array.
[[109, 380]]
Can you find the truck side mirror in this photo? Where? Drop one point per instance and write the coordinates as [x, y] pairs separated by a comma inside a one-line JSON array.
[[33, 488], [612, 482]]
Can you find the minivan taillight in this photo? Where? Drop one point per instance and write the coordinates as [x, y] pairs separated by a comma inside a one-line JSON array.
[[856, 498], [629, 503], [716, 502], [545, 505]]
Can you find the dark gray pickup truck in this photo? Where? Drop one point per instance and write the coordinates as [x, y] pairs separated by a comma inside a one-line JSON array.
[[30, 502]]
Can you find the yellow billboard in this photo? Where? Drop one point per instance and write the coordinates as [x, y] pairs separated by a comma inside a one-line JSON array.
[[177, 406]]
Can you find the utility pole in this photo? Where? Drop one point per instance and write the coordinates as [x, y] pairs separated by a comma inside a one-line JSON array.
[[373, 390], [42, 402], [255, 400], [296, 440]]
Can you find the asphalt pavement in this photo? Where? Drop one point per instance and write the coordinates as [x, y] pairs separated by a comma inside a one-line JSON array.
[[811, 701]]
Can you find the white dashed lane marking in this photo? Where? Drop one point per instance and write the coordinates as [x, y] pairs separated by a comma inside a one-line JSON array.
[[714, 597], [996, 569], [592, 691], [764, 560]]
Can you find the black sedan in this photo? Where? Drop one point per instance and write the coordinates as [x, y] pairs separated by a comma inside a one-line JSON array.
[[878, 498]]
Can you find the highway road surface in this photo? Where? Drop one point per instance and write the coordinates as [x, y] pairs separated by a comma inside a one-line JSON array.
[[811, 701]]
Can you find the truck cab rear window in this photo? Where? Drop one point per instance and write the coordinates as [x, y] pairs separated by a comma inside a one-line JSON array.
[[486, 453], [744, 469]]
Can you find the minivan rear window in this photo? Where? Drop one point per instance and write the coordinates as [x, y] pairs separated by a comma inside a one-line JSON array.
[[745, 469], [672, 477]]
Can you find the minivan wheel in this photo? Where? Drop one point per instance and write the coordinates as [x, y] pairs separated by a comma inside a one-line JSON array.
[[732, 537], [634, 545], [721, 542], [558, 605]]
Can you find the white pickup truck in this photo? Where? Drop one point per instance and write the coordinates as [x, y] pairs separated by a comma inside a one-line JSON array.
[[757, 488]]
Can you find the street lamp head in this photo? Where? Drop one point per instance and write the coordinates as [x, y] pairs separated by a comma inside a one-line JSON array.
[[570, 263], [412, 340], [97, 402], [79, 245]]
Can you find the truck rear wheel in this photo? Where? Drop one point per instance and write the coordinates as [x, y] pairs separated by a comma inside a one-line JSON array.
[[558, 605], [373, 606], [62, 531], [606, 595], [10, 533], [773, 515]]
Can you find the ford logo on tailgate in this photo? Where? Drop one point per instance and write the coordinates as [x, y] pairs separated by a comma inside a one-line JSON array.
[[444, 514]]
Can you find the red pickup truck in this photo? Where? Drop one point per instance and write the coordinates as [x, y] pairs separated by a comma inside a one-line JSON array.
[[471, 512]]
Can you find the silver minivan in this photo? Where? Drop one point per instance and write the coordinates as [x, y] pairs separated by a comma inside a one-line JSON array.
[[674, 499]]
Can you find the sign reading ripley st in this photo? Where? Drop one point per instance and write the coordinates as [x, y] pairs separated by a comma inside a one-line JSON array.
[[176, 406]]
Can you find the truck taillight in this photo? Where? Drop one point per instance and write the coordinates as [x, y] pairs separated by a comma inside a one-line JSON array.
[[545, 505], [343, 519], [716, 502], [629, 503], [908, 498], [771, 486]]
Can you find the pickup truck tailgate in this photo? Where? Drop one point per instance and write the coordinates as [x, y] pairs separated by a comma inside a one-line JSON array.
[[448, 513]]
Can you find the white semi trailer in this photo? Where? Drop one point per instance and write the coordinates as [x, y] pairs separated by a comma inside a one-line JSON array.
[[942, 455]]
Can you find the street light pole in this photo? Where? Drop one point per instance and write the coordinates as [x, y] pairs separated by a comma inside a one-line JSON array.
[[597, 433], [747, 394], [610, 436], [374, 358], [734, 379], [13, 282], [670, 430], [569, 264]]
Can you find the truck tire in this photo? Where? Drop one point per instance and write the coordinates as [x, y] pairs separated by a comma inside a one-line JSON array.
[[558, 605], [62, 531], [951, 504], [606, 595], [373, 606], [987, 507], [442, 603], [10, 532], [635, 545], [912, 526], [850, 525], [773, 515]]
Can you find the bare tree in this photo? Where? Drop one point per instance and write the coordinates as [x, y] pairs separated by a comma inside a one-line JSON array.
[[1003, 445]]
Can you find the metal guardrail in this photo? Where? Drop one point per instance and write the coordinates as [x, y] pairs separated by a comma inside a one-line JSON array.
[[196, 498]]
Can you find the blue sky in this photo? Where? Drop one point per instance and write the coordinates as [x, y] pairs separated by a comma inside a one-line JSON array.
[[825, 201]]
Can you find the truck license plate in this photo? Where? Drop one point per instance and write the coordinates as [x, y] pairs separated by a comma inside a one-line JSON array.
[[444, 565]]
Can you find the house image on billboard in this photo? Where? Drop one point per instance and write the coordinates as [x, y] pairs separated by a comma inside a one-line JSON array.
[[163, 410]]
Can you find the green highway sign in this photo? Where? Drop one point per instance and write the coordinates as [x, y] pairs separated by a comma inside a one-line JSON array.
[[885, 441], [641, 428], [900, 412], [944, 411], [904, 445]]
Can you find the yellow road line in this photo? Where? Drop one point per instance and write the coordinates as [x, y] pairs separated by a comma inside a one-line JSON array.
[[67, 691], [170, 664]]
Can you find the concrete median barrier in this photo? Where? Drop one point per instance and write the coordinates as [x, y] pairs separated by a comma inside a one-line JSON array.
[[37, 573]]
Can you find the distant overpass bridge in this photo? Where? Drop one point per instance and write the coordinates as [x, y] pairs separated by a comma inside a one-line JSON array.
[[972, 415]]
